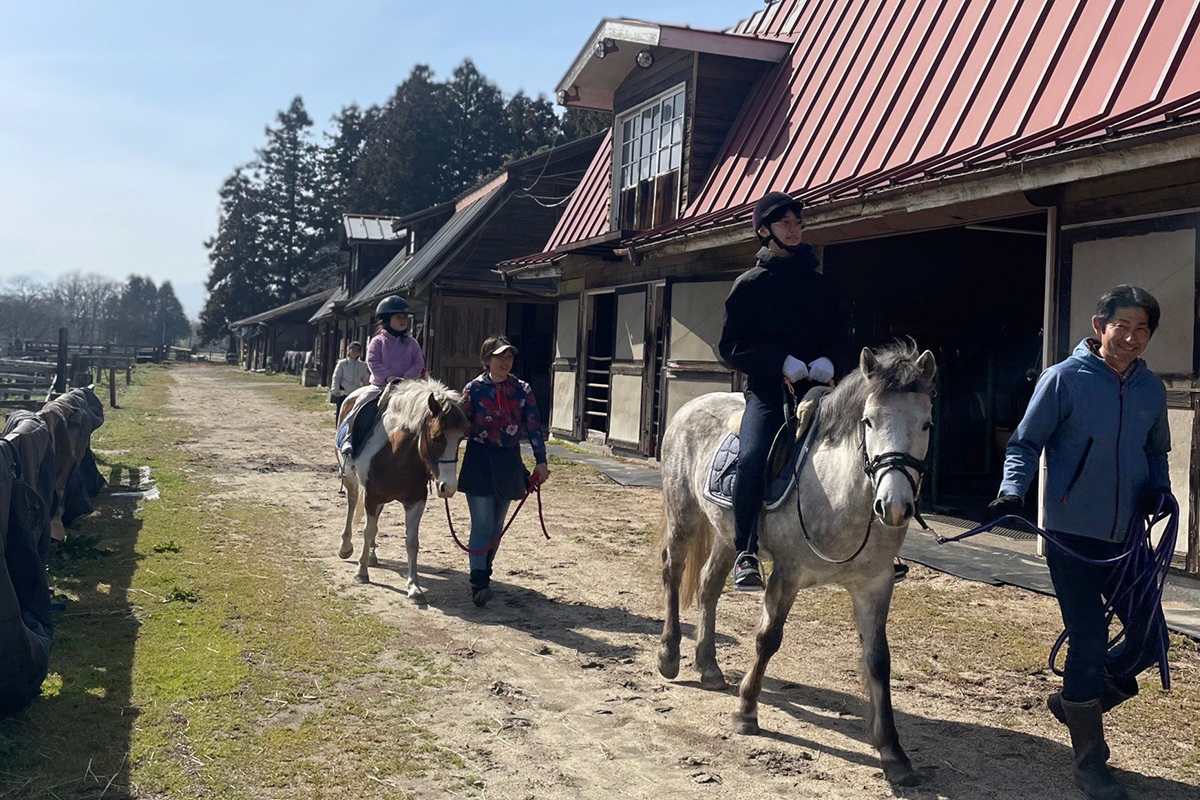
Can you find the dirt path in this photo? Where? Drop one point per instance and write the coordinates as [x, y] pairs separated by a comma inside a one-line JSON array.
[[553, 689]]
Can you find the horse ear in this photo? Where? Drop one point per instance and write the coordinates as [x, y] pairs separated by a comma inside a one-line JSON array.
[[435, 407], [927, 364], [867, 363]]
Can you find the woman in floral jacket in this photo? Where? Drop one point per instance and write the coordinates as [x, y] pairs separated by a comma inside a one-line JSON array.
[[493, 475]]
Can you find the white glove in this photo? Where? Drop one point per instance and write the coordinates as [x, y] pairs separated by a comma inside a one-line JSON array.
[[794, 369], [820, 371]]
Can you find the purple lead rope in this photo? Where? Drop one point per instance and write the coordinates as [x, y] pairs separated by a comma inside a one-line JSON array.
[[1134, 591]]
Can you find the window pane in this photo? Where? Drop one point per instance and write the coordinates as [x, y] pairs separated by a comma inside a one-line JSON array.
[[676, 156], [677, 131]]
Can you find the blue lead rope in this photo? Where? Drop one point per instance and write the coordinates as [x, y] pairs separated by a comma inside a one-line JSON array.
[[1134, 591]]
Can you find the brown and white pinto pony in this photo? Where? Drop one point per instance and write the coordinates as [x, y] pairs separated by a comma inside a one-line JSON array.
[[414, 441]]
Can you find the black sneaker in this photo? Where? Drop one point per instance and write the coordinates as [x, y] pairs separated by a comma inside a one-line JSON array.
[[480, 597], [900, 570], [747, 573]]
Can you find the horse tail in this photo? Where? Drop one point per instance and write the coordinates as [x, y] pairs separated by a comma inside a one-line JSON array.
[[699, 547]]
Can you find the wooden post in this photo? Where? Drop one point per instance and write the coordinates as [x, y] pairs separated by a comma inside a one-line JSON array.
[[112, 387], [60, 375], [128, 372]]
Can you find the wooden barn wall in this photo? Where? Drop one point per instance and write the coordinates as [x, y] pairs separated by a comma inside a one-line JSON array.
[[722, 85]]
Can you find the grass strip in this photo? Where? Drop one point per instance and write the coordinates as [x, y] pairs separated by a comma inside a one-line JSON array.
[[193, 661]]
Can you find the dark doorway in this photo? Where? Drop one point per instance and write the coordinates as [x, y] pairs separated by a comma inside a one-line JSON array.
[[601, 341], [974, 296], [530, 326]]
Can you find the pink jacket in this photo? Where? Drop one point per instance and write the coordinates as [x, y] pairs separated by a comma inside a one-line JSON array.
[[392, 357]]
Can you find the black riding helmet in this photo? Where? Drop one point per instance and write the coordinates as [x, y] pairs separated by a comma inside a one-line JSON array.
[[390, 306], [769, 210]]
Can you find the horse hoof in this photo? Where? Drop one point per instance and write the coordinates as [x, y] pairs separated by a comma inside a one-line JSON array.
[[901, 774], [345, 551], [362, 577], [373, 562], [416, 595], [713, 680], [668, 665], [747, 726]]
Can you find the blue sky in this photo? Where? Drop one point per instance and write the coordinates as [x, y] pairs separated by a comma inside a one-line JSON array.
[[120, 119]]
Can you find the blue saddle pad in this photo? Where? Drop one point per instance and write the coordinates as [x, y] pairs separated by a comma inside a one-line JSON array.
[[343, 433], [722, 475]]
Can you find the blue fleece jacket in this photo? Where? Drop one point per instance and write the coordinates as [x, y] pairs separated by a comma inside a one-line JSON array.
[[1106, 440]]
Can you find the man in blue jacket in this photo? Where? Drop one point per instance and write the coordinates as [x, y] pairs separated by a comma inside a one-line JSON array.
[[1101, 418]]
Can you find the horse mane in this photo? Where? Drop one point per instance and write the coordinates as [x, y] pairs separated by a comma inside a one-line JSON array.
[[896, 371], [406, 405]]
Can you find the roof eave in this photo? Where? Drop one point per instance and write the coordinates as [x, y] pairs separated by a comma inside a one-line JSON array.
[[591, 82]]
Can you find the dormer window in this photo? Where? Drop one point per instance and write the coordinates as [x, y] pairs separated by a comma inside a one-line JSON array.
[[650, 151]]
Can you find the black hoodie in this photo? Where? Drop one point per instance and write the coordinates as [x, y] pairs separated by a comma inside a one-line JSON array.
[[782, 307]]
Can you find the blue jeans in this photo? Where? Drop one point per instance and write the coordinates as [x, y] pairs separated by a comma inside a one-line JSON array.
[[760, 423], [1082, 590], [488, 515]]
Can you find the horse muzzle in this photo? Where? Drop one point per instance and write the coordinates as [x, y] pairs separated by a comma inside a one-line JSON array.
[[894, 502], [445, 489]]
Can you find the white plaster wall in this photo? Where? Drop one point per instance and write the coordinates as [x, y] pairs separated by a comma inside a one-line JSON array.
[[566, 340], [697, 311], [631, 327], [562, 415], [1180, 465], [680, 390], [1165, 265], [625, 408]]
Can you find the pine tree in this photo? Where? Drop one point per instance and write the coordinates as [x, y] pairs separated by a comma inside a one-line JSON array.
[[578, 123], [531, 125], [287, 171], [337, 162], [238, 282], [169, 318]]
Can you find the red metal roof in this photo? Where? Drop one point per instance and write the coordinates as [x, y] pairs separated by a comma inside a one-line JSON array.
[[880, 93], [587, 213]]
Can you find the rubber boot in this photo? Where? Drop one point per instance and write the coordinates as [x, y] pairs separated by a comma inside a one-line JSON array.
[[1086, 723], [1114, 692], [481, 590]]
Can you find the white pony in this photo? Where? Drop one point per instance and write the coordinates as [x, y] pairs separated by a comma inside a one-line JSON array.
[[857, 489], [414, 440]]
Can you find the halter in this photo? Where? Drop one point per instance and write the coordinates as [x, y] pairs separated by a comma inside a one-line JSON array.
[[874, 468]]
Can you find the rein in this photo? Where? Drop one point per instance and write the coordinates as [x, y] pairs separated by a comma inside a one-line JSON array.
[[533, 489], [1136, 585]]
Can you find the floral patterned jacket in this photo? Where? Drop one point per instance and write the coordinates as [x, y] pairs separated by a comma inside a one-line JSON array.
[[499, 411]]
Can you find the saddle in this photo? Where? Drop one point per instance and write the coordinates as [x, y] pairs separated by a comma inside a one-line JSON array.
[[782, 463], [356, 428]]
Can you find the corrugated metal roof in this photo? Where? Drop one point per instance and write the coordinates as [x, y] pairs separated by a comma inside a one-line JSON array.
[[370, 228], [282, 311], [878, 93], [449, 239], [382, 284], [326, 311], [587, 213], [403, 272]]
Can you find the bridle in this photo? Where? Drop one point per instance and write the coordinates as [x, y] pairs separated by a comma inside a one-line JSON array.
[[874, 468], [432, 465]]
